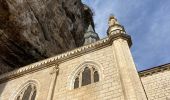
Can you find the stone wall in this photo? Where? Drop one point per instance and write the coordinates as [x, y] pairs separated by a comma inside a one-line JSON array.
[[10, 89], [109, 87], [156, 82], [111, 56]]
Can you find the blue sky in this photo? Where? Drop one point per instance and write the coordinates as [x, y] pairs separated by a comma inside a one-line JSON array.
[[148, 23]]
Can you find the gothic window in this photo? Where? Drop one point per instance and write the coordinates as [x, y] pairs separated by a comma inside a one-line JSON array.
[[76, 83], [96, 76], [28, 93], [86, 76]]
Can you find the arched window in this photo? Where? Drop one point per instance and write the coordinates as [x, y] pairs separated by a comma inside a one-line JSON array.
[[96, 76], [86, 76], [76, 83], [27, 93]]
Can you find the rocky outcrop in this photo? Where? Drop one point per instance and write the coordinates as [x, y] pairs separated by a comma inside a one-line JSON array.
[[32, 30]]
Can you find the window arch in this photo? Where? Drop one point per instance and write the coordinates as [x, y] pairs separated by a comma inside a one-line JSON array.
[[28, 92], [85, 76]]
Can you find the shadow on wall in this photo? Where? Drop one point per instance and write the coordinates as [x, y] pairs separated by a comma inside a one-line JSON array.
[[6, 92], [2, 86]]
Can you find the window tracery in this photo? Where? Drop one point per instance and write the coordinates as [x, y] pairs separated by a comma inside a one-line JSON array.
[[87, 75], [27, 93]]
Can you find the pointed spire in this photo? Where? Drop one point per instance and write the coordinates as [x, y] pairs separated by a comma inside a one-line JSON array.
[[90, 35], [90, 28]]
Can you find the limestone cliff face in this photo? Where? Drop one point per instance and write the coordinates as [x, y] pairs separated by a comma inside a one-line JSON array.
[[32, 30]]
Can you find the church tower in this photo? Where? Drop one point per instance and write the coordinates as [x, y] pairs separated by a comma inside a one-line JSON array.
[[130, 80]]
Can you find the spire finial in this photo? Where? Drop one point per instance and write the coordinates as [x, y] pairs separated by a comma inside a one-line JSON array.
[[113, 21], [114, 26]]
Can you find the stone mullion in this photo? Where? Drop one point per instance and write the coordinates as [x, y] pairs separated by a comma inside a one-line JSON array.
[[19, 96], [80, 79], [31, 94], [32, 91], [92, 74], [22, 93]]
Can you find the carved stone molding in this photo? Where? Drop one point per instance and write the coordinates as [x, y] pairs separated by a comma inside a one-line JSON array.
[[154, 70], [63, 57]]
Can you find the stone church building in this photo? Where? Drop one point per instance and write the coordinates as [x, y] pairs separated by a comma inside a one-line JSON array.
[[100, 70]]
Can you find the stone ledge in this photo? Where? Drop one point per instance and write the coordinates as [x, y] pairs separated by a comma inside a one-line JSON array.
[[116, 34], [53, 60], [63, 57], [155, 70]]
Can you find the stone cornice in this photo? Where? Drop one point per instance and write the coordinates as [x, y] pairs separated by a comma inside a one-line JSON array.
[[51, 61], [121, 34], [62, 57], [154, 70], [116, 25]]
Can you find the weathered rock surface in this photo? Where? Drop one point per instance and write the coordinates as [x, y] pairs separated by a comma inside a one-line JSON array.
[[32, 30]]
